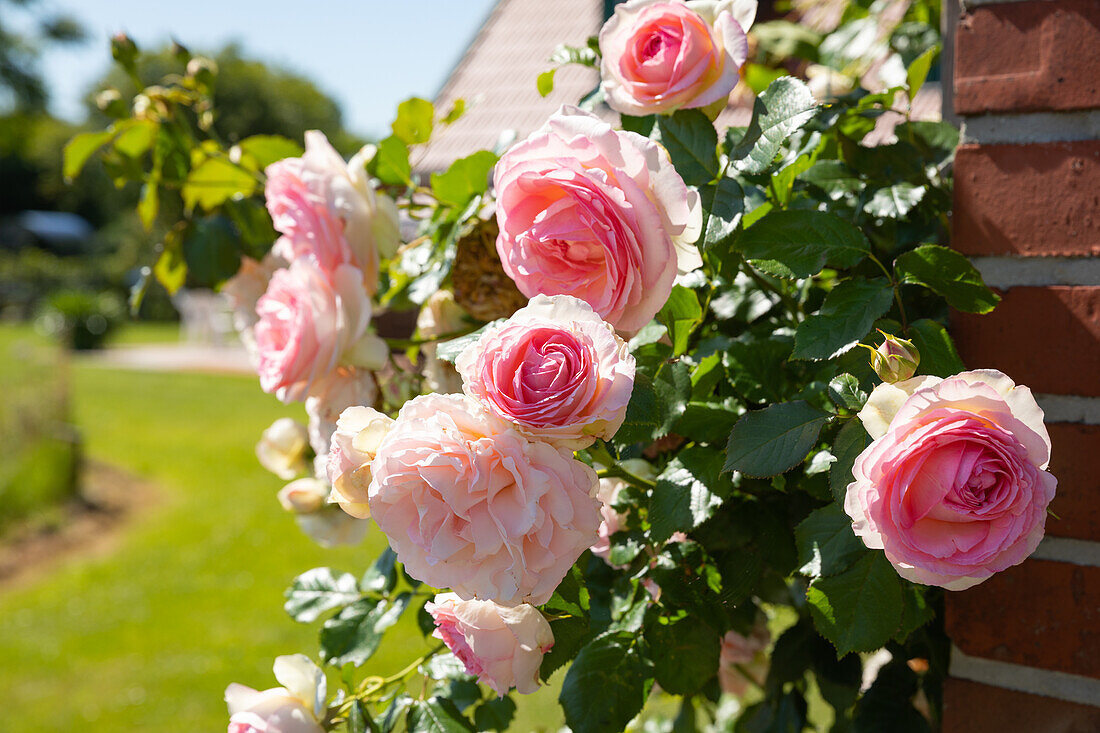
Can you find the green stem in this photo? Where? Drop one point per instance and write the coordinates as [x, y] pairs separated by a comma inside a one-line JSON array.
[[408, 343], [897, 290], [618, 471]]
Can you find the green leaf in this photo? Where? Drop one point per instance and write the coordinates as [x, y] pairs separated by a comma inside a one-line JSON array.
[[171, 269], [686, 496], [948, 273], [851, 440], [391, 163], [723, 206], [545, 82], [570, 634], [641, 421], [583, 55], [135, 138], [684, 652], [860, 609], [640, 125], [918, 70], [680, 315], [318, 590], [213, 182], [799, 243], [266, 149], [148, 204], [444, 667], [414, 121], [607, 684], [774, 440], [353, 636], [495, 714], [382, 576], [467, 177], [845, 391], [692, 144], [211, 249], [849, 311], [80, 148], [752, 364], [938, 356], [785, 106], [450, 350], [896, 201], [826, 543], [708, 422], [436, 715], [833, 177]]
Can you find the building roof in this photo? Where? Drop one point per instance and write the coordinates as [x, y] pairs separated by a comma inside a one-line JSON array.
[[497, 76]]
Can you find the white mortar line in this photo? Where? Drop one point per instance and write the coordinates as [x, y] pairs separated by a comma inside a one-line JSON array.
[[1059, 685], [1064, 549], [974, 3], [1037, 127], [1070, 408], [1010, 272]]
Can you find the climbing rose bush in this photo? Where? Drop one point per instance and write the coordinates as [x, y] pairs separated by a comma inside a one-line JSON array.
[[727, 451]]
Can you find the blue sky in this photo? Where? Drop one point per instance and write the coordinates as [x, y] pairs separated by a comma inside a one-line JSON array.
[[367, 54]]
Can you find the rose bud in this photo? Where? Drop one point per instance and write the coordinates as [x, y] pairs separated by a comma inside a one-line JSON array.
[[282, 448]]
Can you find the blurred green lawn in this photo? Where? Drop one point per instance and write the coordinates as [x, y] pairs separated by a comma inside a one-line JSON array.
[[189, 598]]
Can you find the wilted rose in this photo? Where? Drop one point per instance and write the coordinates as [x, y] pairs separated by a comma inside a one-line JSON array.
[[282, 448]]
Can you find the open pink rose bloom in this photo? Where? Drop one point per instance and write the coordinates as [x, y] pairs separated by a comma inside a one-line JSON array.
[[954, 487], [596, 213], [555, 369], [662, 56], [468, 503]]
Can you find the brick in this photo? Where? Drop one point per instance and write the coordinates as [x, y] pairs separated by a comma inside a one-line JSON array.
[[1076, 463], [1040, 614], [971, 707], [1047, 338], [1041, 199], [1028, 56]]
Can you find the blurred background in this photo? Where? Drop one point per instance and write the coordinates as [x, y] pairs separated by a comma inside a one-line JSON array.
[[143, 556]]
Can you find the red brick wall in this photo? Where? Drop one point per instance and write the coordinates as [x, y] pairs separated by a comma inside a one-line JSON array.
[[1027, 209]]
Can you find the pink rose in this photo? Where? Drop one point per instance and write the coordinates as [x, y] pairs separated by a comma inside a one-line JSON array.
[[589, 211], [327, 210], [468, 503], [741, 655], [243, 290], [297, 707], [662, 56], [308, 321], [954, 488], [439, 316], [359, 432], [502, 645], [555, 369]]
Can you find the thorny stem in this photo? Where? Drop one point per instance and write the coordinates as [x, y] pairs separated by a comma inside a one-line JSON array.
[[373, 684]]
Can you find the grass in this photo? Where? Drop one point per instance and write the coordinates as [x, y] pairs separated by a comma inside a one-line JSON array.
[[134, 333], [189, 598]]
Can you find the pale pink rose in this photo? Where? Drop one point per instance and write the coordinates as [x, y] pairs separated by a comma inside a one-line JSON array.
[[611, 521], [342, 388], [330, 526], [282, 448], [308, 321], [555, 369], [297, 707], [662, 56], [327, 210], [440, 316], [304, 495], [243, 290], [359, 432], [468, 503], [741, 655], [502, 645], [955, 488], [596, 213]]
